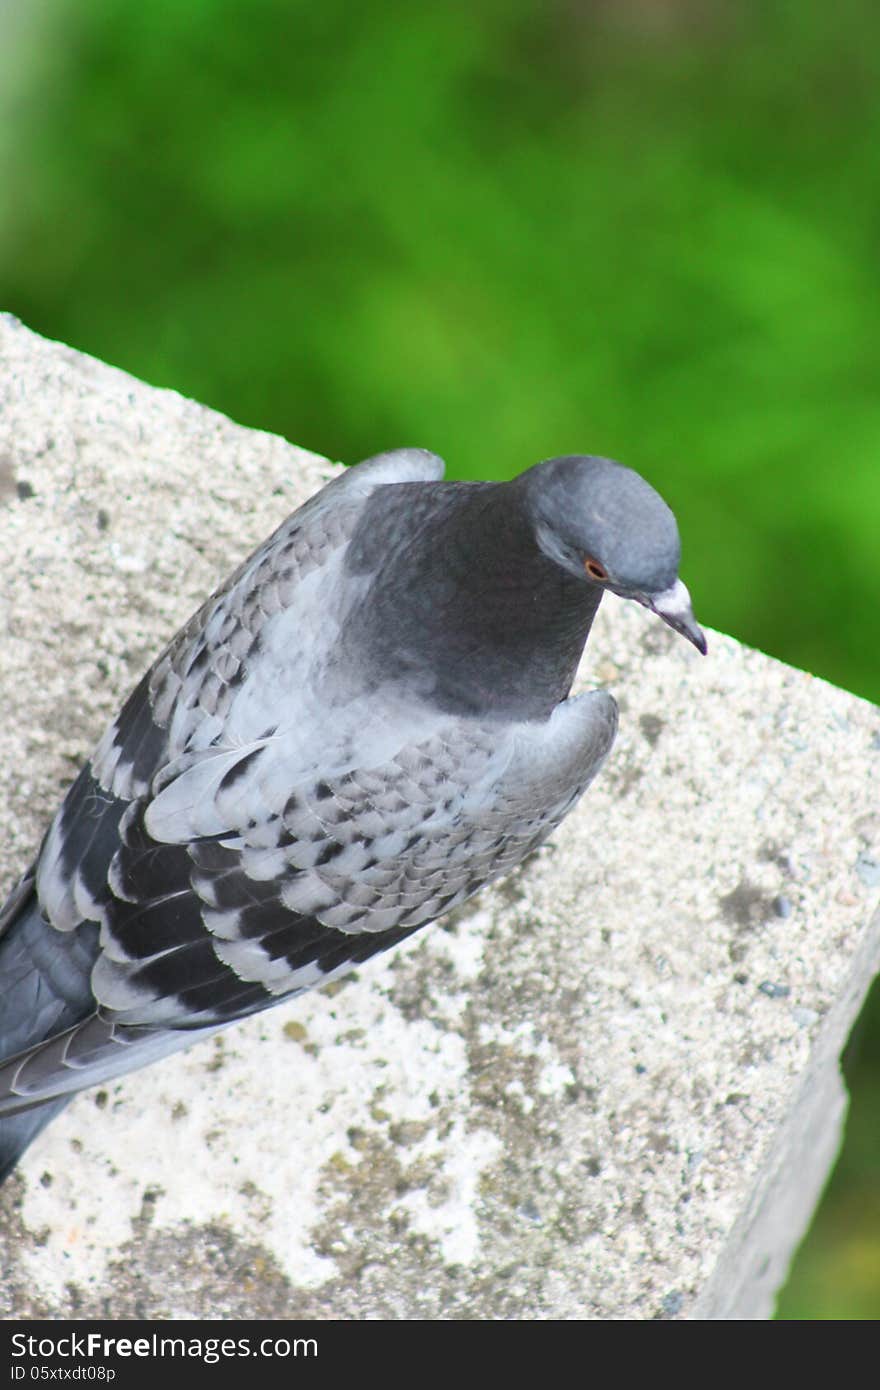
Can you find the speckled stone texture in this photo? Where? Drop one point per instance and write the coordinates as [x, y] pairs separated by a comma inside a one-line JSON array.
[[608, 1091]]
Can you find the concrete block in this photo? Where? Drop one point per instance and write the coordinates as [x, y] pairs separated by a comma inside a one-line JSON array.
[[609, 1090]]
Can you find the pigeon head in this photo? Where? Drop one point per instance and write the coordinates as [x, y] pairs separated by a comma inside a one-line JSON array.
[[604, 524]]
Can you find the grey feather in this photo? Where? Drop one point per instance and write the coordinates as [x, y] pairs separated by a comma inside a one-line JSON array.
[[365, 724]]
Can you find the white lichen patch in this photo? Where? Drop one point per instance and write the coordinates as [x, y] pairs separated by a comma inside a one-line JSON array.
[[451, 1219], [465, 948]]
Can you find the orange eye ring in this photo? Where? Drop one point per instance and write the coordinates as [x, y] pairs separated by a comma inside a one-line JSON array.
[[595, 570]]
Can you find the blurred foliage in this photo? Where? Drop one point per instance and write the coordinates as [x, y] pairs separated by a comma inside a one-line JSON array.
[[503, 230]]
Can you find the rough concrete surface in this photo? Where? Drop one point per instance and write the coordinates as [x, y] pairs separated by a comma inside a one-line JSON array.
[[608, 1091]]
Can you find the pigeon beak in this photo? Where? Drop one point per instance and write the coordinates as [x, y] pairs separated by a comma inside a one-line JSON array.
[[674, 607]]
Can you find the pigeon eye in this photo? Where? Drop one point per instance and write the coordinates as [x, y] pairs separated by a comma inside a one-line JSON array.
[[595, 570]]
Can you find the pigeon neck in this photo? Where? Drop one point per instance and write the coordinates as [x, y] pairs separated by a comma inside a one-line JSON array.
[[465, 607]]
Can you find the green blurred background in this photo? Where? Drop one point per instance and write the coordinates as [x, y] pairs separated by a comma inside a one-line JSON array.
[[504, 230]]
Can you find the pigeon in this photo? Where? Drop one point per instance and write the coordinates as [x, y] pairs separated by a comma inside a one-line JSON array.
[[364, 725]]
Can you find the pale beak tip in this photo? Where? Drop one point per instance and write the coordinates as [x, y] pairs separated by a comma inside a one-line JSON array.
[[674, 607]]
